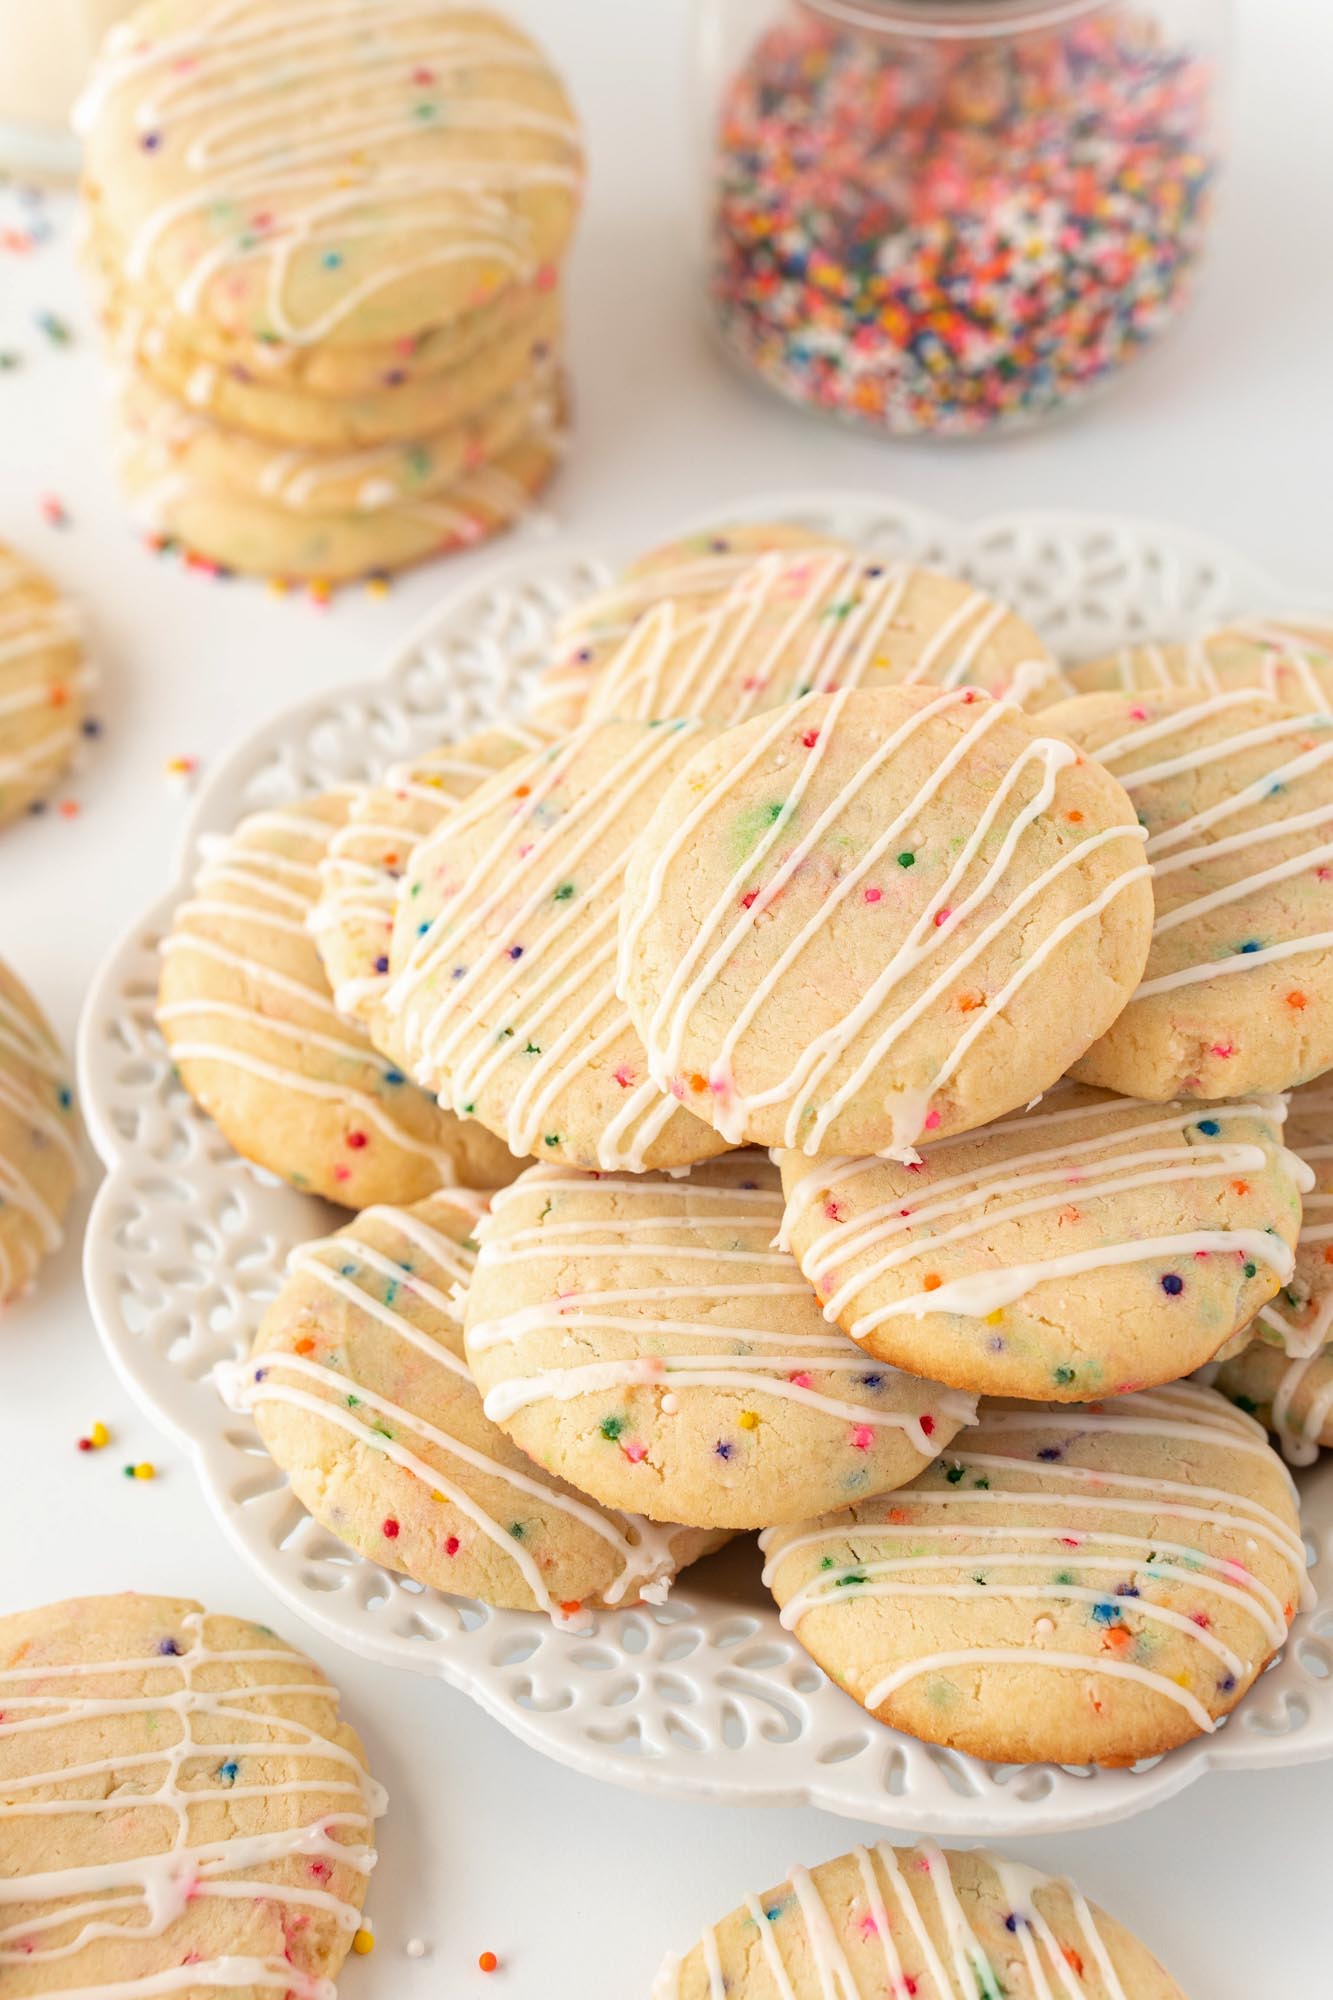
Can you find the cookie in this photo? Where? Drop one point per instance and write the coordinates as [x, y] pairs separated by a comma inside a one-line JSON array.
[[39, 1168], [1236, 794], [44, 684], [858, 920], [1291, 661], [1300, 1318], [691, 573], [1291, 1397], [503, 958], [361, 1393], [261, 537], [349, 179], [644, 1338], [259, 1044], [801, 622], [1075, 1584], [351, 919], [1087, 1247], [184, 1811], [885, 1922]]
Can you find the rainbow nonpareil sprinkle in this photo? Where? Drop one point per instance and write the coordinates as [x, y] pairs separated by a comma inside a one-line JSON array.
[[948, 236]]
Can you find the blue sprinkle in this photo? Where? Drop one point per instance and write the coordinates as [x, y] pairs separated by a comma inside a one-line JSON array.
[[458, 972], [169, 1647], [394, 1076], [1011, 1922], [331, 259], [261, 1374], [722, 1448], [1251, 944], [227, 1772], [1209, 1126], [381, 963], [1227, 1684], [1051, 1451], [1172, 1285], [516, 951], [1106, 1614], [872, 1381], [65, 1097], [422, 929], [1126, 1590]]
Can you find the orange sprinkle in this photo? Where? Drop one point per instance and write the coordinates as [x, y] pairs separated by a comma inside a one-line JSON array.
[[1072, 1960], [522, 791], [1328, 1254], [698, 1082], [305, 1345], [58, 695], [571, 1605], [1118, 1637], [1297, 1000], [488, 1962], [1075, 816], [1240, 1187], [969, 1002], [932, 1281]]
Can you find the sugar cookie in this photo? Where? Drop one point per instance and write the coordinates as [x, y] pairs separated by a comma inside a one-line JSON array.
[[44, 684], [1236, 794], [1068, 1583], [361, 1393], [184, 1812], [857, 920], [1292, 1397], [1089, 1246], [644, 1338], [1300, 1318], [503, 957], [38, 1139], [1291, 661], [252, 1028], [885, 1923]]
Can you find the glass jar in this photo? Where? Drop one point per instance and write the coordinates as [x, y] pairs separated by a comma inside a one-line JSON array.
[[46, 50], [954, 216]]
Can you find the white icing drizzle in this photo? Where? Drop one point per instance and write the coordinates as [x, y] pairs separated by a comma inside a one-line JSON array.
[[537, 989], [642, 1547], [1311, 1111], [867, 1032], [155, 1889], [898, 1891], [714, 1348], [295, 112], [39, 625], [31, 1065], [1075, 1539], [1283, 650], [1056, 1169]]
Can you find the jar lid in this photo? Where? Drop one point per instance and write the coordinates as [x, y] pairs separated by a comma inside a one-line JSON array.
[[955, 17]]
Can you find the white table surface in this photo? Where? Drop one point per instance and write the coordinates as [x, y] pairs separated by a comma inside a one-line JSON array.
[[580, 1888]]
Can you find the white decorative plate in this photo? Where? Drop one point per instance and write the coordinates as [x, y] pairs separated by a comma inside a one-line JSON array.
[[706, 1697]]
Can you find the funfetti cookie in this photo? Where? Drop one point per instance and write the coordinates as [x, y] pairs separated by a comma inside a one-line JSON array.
[[915, 1921], [352, 916], [857, 921], [184, 1811], [812, 621], [1235, 792], [44, 685], [1299, 1318], [1088, 1246], [347, 178], [1291, 661], [1068, 1583], [644, 1337], [250, 1020], [38, 1138], [361, 1393], [1291, 1397], [503, 958]]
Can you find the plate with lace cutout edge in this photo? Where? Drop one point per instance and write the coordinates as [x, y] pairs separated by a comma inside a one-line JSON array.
[[705, 1697]]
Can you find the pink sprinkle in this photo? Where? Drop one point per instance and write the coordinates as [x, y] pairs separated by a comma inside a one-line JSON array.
[[867, 1926], [1201, 1619], [1138, 715], [452, 1545], [969, 696], [942, 917], [749, 899], [810, 738], [873, 895], [1223, 1049], [341, 1173], [863, 1437], [832, 1212], [928, 1424], [1199, 1256], [932, 1120], [624, 1076], [321, 1870], [1070, 1541], [635, 1450], [800, 1379], [1323, 874]]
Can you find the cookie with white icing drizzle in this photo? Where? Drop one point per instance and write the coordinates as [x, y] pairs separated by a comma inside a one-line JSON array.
[[1088, 1246], [1071, 1583], [250, 1020], [182, 1812], [857, 920], [352, 916], [1235, 792], [1300, 1318], [644, 1337], [690, 573], [45, 680], [1292, 1396], [502, 999], [349, 172], [808, 621], [359, 1387], [1282, 657], [39, 1160], [886, 1923]]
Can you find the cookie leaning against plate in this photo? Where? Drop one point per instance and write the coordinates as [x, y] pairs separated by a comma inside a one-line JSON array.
[[1083, 1248], [351, 919], [858, 920], [1067, 1583], [503, 958], [1300, 1318], [893, 1922], [1236, 794], [1275, 656], [351, 178], [44, 682], [1292, 1397], [39, 1168], [812, 621], [184, 1811], [361, 1393], [645, 1339], [250, 1021]]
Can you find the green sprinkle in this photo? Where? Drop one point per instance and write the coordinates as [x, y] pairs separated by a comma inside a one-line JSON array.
[[954, 1474], [564, 892], [532, 1050], [906, 859], [611, 1427], [550, 1139], [516, 1530], [1250, 1270], [1063, 1375]]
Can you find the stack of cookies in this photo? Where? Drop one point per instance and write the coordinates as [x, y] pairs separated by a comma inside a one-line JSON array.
[[818, 1073], [328, 245]]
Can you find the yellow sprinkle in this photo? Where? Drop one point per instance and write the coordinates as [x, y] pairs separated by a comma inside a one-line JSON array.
[[364, 1941], [435, 1495], [278, 586], [1181, 1680], [993, 1319], [377, 586], [143, 1470], [748, 1420], [98, 1436]]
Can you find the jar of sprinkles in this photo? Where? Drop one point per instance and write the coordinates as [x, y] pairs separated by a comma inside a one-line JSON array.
[[952, 216]]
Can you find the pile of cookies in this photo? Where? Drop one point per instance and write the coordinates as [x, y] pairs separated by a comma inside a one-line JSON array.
[[327, 243], [822, 1071]]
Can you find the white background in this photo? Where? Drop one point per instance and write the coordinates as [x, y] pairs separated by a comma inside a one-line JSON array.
[[1229, 428]]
